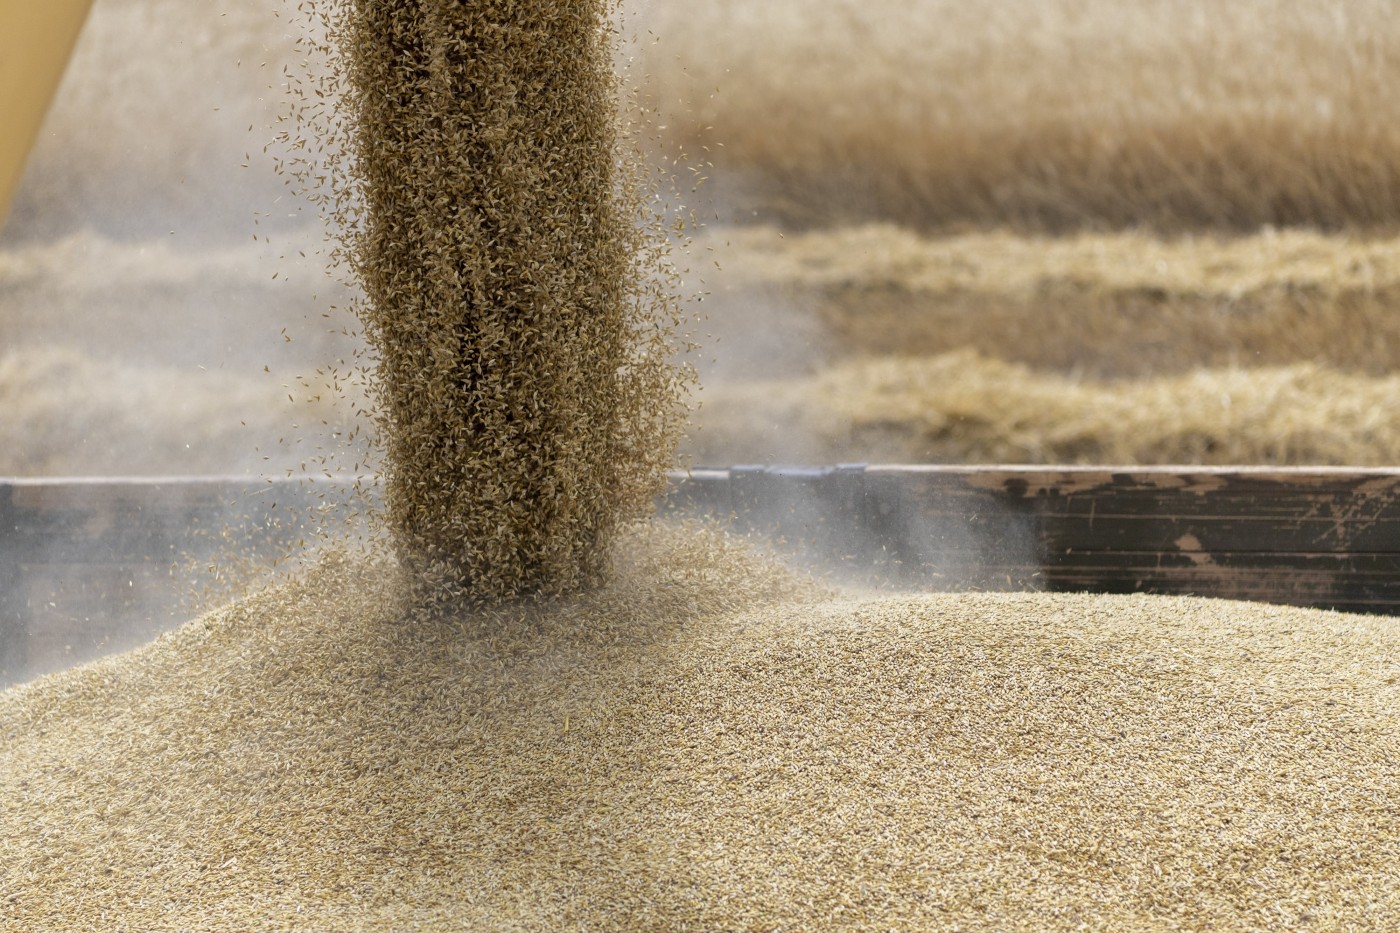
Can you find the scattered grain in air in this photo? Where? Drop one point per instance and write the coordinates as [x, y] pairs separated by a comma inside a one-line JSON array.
[[522, 334]]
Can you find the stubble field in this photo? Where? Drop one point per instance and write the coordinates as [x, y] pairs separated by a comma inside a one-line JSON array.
[[1079, 231]]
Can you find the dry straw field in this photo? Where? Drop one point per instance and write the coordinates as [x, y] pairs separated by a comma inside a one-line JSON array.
[[1055, 116], [1107, 194], [1066, 230]]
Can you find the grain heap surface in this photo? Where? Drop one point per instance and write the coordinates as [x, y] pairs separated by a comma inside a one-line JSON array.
[[706, 743], [517, 314]]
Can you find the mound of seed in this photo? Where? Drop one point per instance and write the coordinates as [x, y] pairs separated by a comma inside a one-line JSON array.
[[527, 402], [705, 743]]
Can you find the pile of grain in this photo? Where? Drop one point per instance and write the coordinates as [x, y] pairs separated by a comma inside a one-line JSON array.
[[522, 339], [706, 743]]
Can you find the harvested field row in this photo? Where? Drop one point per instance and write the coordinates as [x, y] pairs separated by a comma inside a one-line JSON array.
[[1115, 305], [709, 743], [67, 413], [152, 356], [1125, 304], [962, 407], [1060, 115], [1013, 265], [242, 304], [1072, 310]]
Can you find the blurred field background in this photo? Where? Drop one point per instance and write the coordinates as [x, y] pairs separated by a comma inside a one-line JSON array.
[[1161, 231]]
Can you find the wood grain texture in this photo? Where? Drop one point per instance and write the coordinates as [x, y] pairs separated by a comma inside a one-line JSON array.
[[1326, 538], [1316, 537]]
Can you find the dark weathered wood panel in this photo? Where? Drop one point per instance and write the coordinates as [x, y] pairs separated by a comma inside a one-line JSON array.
[[83, 561], [1325, 537]]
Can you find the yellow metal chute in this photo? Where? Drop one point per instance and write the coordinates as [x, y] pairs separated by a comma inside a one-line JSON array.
[[36, 39]]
